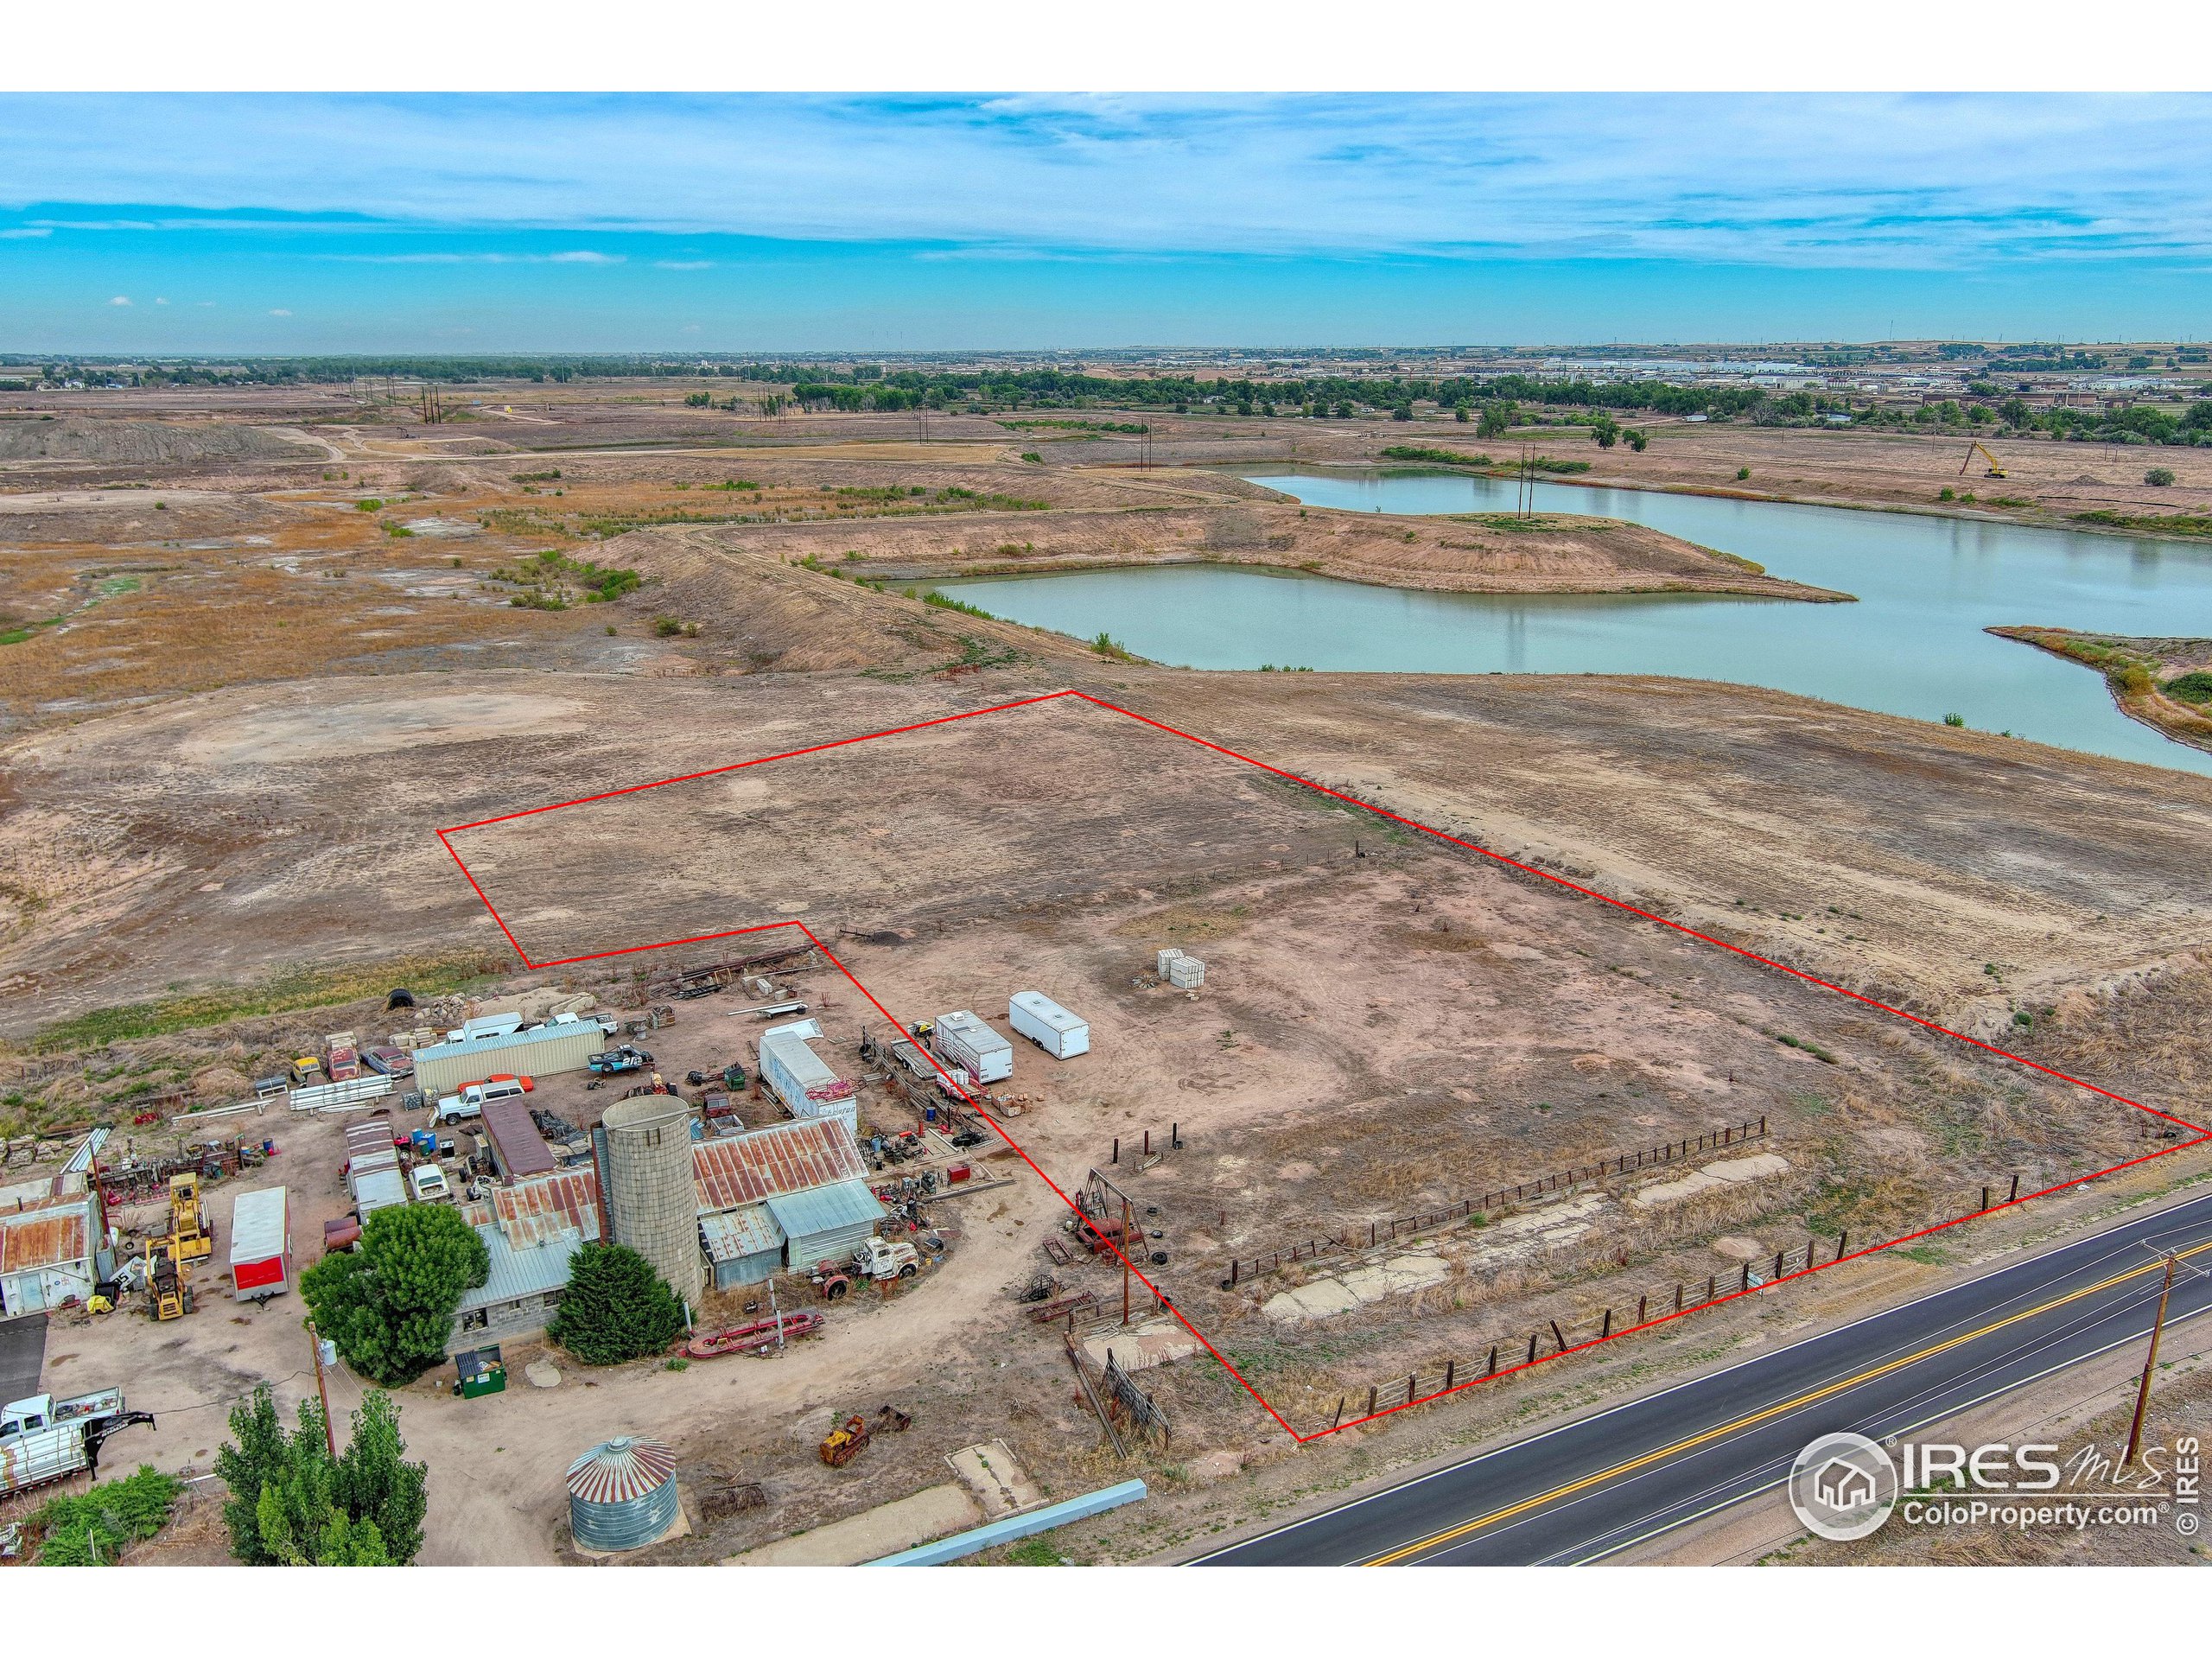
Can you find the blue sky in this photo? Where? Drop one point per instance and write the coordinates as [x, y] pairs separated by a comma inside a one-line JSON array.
[[270, 223]]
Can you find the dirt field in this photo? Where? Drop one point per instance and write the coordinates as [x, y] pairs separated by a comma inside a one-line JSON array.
[[240, 705]]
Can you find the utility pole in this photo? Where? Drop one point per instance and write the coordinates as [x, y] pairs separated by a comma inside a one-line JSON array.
[[322, 1393], [2150, 1364], [1125, 1261]]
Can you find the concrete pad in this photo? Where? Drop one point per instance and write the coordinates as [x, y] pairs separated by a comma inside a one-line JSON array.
[[1315, 1301], [999, 1484], [1142, 1347], [1730, 1171], [933, 1512], [542, 1374]]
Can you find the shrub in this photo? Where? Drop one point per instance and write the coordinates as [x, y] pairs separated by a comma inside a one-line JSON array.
[[666, 627], [1947, 494], [616, 1307], [2160, 476], [1954, 720], [92, 1528], [1743, 472], [390, 1306], [2195, 686]]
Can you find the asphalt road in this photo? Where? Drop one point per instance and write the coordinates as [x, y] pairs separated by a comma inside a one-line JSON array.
[[1584, 1490]]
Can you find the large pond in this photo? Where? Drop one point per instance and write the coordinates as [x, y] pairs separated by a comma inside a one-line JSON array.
[[1913, 645]]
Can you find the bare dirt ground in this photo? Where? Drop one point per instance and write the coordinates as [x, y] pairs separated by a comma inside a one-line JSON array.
[[237, 720]]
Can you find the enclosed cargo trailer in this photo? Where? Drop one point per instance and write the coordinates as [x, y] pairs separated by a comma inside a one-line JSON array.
[[1045, 1023]]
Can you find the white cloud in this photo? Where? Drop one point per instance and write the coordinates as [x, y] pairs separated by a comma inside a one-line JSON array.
[[280, 312], [683, 264], [1819, 179], [120, 299], [159, 301], [19, 232]]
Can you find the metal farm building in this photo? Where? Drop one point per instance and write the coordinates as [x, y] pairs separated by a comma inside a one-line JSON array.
[[539, 1052]]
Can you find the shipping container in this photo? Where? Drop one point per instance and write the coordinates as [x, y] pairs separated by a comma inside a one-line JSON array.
[[1045, 1023], [964, 1040], [544, 1051], [261, 1245]]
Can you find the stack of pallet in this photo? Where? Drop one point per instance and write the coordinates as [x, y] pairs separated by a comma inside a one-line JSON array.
[[1184, 973]]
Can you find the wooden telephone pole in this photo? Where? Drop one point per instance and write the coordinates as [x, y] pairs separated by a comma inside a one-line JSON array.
[[2150, 1364]]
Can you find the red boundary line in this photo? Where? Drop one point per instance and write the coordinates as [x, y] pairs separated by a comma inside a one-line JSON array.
[[2202, 1134]]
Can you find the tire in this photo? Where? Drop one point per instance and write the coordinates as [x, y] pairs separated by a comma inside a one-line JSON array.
[[908, 1271], [835, 1293]]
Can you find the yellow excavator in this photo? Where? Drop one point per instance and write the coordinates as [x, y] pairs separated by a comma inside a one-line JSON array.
[[1995, 471], [168, 1295]]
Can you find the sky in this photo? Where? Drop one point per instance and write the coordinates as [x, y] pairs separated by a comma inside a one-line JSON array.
[[274, 223]]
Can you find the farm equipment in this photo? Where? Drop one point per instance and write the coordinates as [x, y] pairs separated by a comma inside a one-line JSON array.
[[189, 1238], [168, 1295], [759, 1336], [893, 1419], [1995, 471], [845, 1442], [1101, 1234], [879, 1258]]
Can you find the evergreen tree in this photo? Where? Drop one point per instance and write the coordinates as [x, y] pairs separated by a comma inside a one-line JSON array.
[[616, 1307], [390, 1305]]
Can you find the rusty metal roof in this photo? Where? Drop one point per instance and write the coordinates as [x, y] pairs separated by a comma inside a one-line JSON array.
[[535, 1212], [48, 1236], [794, 1157]]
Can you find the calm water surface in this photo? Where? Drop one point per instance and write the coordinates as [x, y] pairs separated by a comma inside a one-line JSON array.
[[1912, 645]]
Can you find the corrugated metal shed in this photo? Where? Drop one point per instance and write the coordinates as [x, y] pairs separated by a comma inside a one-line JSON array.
[[540, 1052], [517, 1146], [782, 1158], [52, 1234], [827, 1223], [749, 1231], [827, 1209]]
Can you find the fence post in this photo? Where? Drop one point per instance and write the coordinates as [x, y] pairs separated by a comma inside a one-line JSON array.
[[1712, 1282], [1678, 1295], [1842, 1239], [1808, 1255], [1559, 1336], [1371, 1402], [1532, 1347], [1116, 1158], [1777, 1264], [1493, 1359], [1746, 1285], [1640, 1303], [1985, 1198], [1606, 1330], [1232, 1273], [1174, 1137], [1450, 1366], [1762, 1123], [1340, 1417], [1147, 1143], [1409, 1387]]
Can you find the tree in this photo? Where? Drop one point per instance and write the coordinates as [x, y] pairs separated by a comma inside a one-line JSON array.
[[1496, 418], [292, 1505], [390, 1305], [616, 1307]]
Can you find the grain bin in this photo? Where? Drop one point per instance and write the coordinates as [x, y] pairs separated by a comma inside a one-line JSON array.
[[622, 1495], [651, 1202]]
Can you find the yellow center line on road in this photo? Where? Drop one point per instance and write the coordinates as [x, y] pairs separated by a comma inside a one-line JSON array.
[[1634, 1464]]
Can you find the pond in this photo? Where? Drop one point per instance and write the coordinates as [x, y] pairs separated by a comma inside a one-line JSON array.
[[1913, 645]]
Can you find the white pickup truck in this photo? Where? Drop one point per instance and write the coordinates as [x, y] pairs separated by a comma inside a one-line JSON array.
[[42, 1439], [469, 1103]]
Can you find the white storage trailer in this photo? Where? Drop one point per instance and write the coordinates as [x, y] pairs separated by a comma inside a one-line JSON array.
[[802, 1079], [1045, 1023], [964, 1040], [261, 1245]]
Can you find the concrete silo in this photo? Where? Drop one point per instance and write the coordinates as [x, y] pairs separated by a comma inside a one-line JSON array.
[[651, 1201]]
